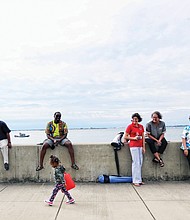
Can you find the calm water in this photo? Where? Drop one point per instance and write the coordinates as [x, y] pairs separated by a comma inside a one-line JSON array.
[[86, 136]]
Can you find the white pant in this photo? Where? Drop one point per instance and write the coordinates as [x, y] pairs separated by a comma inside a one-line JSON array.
[[4, 150], [137, 160]]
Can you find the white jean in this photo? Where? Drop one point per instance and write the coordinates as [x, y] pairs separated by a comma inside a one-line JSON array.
[[4, 150], [137, 160]]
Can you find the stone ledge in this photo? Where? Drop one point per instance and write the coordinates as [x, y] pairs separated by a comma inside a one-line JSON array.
[[93, 160]]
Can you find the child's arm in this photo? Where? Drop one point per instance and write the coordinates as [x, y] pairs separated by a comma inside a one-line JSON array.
[[62, 168], [60, 178]]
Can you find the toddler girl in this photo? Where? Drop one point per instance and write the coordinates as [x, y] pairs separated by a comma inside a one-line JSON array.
[[59, 180]]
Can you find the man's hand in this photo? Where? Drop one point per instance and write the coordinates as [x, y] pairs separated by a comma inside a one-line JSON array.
[[158, 143], [56, 142], [186, 152]]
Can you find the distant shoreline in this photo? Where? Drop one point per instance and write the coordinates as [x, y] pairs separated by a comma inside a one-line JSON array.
[[93, 128]]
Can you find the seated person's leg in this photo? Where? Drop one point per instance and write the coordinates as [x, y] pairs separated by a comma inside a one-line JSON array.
[[163, 146], [188, 157], [151, 144], [69, 146], [47, 144]]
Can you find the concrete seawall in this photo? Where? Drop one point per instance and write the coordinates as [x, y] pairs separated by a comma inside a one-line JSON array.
[[93, 160]]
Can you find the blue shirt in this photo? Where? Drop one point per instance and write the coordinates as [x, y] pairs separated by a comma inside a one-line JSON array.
[[186, 136]]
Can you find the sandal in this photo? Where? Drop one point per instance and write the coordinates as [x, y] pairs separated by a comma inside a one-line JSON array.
[[39, 168], [161, 162], [136, 184], [75, 167], [155, 160]]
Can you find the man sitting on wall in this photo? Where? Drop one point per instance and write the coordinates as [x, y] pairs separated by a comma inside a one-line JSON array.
[[56, 132]]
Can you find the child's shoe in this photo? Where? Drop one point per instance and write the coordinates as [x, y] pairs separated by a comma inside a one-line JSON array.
[[49, 202], [70, 201]]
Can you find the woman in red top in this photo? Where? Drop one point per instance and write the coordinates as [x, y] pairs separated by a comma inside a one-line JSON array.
[[135, 134]]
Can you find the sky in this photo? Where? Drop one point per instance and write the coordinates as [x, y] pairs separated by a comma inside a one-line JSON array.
[[95, 61]]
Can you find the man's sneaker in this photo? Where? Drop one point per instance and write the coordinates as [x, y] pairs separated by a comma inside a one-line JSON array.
[[49, 202], [6, 166], [70, 201]]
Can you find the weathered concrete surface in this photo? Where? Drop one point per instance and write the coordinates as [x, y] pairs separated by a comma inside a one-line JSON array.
[[93, 161], [94, 201]]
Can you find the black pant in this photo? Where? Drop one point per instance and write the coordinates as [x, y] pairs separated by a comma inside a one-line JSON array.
[[153, 148]]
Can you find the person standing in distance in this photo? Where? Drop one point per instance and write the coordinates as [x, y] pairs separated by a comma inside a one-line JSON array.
[[56, 132], [5, 143], [135, 134]]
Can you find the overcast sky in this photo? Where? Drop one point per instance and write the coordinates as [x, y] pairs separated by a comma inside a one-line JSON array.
[[96, 61]]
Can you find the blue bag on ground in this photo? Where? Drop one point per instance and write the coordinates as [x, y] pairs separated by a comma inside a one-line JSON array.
[[114, 179]]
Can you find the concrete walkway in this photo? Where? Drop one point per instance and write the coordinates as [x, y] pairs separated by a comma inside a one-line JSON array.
[[155, 200]]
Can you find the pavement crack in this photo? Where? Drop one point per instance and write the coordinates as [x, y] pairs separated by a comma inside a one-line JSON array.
[[59, 208], [3, 188], [144, 203]]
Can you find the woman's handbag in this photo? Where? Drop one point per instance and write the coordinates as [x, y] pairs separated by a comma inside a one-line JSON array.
[[70, 184]]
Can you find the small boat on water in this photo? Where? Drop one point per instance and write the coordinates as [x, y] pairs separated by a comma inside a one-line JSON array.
[[22, 135]]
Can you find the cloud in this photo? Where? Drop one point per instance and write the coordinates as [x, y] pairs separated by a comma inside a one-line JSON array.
[[97, 62]]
